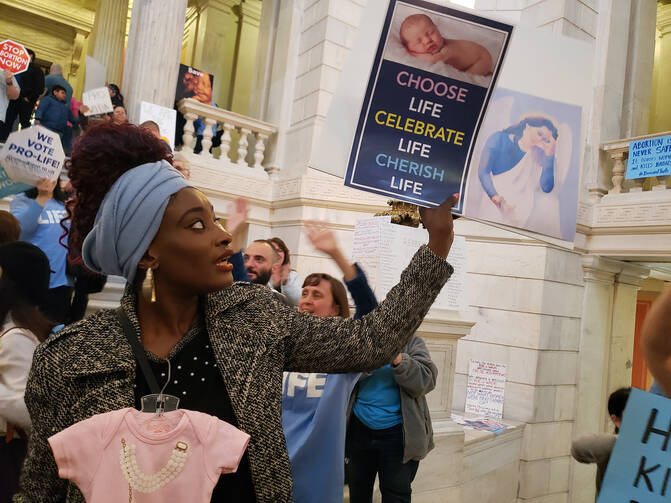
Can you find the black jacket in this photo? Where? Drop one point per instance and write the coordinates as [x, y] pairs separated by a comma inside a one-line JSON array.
[[31, 82]]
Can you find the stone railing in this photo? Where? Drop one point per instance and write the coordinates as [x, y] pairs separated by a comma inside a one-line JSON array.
[[245, 128], [618, 152]]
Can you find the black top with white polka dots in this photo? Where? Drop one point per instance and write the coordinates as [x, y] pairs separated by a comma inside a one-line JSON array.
[[197, 382]]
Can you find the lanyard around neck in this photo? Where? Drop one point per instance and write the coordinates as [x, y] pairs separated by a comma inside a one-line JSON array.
[[138, 351]]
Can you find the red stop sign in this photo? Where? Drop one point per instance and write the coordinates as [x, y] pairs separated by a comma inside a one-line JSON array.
[[13, 57]]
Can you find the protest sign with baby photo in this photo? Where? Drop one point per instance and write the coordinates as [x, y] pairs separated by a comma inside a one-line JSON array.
[[32, 154], [433, 74]]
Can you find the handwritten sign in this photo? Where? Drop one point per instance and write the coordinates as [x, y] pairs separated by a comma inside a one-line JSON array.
[[639, 469], [649, 157], [424, 105], [383, 250], [98, 100], [32, 154], [486, 388], [164, 117]]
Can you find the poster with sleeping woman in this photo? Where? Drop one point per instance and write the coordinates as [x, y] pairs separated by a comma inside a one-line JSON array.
[[524, 171], [431, 79]]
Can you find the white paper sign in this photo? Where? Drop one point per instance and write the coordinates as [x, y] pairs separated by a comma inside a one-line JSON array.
[[164, 117], [486, 388], [32, 154], [98, 100], [96, 74], [383, 250]]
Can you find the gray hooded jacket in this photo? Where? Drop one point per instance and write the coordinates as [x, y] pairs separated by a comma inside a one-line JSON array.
[[415, 376]]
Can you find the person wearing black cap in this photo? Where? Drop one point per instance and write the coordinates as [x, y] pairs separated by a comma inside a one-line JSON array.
[[24, 281]]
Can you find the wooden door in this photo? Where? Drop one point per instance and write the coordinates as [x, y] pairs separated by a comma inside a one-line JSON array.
[[640, 377]]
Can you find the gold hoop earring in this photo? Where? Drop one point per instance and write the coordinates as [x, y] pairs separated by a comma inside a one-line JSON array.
[[149, 286]]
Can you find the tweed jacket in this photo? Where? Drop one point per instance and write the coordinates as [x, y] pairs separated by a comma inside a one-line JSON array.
[[89, 368]]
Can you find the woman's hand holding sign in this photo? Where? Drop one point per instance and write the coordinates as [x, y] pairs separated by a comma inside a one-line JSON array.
[[45, 190], [439, 222]]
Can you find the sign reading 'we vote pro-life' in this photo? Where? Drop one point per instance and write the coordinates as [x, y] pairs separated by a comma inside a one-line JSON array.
[[639, 469], [433, 74]]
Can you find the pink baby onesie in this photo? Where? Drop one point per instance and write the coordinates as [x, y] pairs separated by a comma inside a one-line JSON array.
[[128, 455]]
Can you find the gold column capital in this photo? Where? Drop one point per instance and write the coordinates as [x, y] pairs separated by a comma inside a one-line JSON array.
[[664, 19]]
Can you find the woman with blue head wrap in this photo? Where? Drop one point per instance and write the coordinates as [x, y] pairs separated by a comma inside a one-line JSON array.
[[227, 344]]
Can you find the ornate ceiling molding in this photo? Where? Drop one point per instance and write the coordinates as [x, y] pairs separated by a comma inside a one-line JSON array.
[[60, 11]]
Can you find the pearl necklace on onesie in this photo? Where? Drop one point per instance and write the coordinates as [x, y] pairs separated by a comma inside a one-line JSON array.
[[143, 482]]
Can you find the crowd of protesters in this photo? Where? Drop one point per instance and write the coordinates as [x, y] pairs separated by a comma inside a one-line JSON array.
[[30, 97], [307, 381]]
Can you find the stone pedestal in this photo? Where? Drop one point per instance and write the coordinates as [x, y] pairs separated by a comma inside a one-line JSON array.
[[152, 62], [109, 32]]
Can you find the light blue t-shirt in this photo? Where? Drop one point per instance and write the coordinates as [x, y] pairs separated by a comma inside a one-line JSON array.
[[314, 419], [378, 403], [41, 226]]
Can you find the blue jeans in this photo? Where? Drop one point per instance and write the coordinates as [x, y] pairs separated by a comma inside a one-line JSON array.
[[378, 452]]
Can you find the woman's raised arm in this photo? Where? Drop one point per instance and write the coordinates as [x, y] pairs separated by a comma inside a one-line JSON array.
[[324, 344]]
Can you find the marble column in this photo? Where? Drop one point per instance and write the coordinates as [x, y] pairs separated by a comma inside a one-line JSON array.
[[250, 17], [153, 52], [660, 110], [605, 352], [109, 34], [623, 327], [610, 69], [640, 61], [276, 66], [215, 45], [593, 360]]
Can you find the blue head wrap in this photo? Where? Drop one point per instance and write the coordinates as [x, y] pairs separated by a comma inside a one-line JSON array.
[[129, 218]]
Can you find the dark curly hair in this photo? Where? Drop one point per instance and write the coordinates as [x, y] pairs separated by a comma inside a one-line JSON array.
[[99, 157]]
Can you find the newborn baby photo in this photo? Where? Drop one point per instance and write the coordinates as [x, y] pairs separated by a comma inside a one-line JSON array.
[[422, 39], [443, 44]]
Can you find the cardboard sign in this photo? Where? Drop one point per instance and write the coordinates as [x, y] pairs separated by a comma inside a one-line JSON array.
[[425, 101], [384, 250], [649, 157], [32, 154], [486, 388], [98, 100], [13, 57], [639, 469], [164, 117], [96, 74]]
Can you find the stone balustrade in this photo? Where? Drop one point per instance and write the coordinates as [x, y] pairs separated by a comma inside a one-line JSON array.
[[247, 129], [618, 153]]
